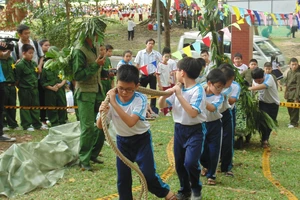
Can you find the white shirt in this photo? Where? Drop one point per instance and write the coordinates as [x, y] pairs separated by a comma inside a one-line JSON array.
[[138, 106], [164, 72], [242, 68], [131, 25], [35, 54], [143, 58], [225, 93], [270, 94], [173, 66], [202, 77], [122, 62], [196, 97], [216, 101], [235, 92]]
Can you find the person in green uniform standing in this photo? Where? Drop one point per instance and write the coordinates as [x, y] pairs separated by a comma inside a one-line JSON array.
[[9, 115], [55, 95], [87, 61], [27, 82], [107, 73], [292, 91]]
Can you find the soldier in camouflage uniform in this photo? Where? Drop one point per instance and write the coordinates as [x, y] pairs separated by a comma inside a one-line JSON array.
[[292, 91]]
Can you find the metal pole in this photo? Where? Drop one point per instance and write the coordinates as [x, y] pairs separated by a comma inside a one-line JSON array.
[[158, 25]]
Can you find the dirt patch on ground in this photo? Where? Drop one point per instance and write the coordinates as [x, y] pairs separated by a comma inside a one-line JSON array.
[[19, 139]]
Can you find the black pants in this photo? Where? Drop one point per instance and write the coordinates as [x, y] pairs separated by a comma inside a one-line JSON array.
[[151, 80], [130, 35], [272, 110], [42, 101], [2, 93]]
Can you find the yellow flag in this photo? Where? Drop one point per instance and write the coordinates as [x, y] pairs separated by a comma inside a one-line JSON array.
[[274, 18], [241, 21], [187, 51], [236, 25], [237, 12], [188, 2]]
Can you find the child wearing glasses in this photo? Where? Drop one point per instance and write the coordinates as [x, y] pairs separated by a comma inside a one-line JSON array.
[[188, 103], [127, 110], [216, 81]]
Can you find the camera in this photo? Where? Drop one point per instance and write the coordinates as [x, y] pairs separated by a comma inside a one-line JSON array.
[[113, 71], [9, 43]]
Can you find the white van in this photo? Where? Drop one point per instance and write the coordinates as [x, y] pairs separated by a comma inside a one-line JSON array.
[[263, 48]]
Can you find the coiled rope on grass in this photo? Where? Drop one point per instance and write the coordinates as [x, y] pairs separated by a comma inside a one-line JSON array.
[[131, 165]]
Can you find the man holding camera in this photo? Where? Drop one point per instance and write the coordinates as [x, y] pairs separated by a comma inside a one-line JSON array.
[[3, 56]]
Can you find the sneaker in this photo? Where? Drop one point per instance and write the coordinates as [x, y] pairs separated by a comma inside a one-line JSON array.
[[291, 126], [17, 128], [182, 196], [196, 197], [6, 139], [30, 129], [6, 129], [168, 114], [43, 128], [44, 125]]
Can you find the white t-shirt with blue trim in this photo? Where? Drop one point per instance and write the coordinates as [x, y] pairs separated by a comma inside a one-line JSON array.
[[136, 105], [270, 94], [235, 92], [196, 97]]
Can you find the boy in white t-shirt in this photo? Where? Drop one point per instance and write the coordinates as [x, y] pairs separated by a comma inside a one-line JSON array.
[[268, 99], [163, 75], [127, 111], [216, 81], [188, 102], [238, 63], [227, 121]]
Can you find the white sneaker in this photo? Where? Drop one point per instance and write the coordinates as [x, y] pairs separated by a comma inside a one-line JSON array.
[[30, 129], [44, 128], [291, 126], [6, 129], [168, 115]]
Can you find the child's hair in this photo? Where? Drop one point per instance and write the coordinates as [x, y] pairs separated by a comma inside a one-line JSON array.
[[204, 51], [253, 60], [127, 51], [42, 42], [21, 28], [128, 73], [166, 50], [150, 40], [257, 73], [184, 55], [27, 47], [215, 76], [239, 55], [227, 70], [294, 60], [202, 61], [191, 66], [109, 47], [268, 64]]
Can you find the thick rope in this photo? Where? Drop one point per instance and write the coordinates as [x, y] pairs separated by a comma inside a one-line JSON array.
[[144, 190]]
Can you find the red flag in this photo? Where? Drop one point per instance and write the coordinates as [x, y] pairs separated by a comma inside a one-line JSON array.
[[206, 41], [251, 16], [144, 70], [177, 6]]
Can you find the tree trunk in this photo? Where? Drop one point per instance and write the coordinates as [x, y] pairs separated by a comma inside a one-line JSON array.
[[67, 4], [167, 24]]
